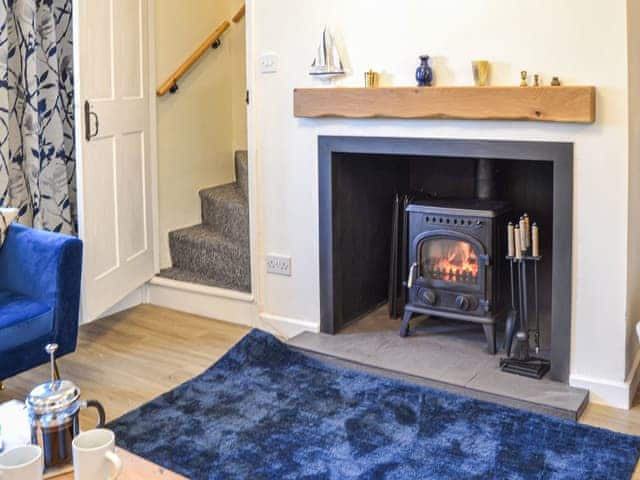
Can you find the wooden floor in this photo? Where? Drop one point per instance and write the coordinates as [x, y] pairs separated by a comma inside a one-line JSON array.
[[132, 357], [128, 359]]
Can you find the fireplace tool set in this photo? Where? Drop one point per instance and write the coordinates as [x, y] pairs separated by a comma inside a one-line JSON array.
[[523, 247]]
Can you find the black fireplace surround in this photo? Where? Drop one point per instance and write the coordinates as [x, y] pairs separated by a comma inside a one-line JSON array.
[[358, 177]]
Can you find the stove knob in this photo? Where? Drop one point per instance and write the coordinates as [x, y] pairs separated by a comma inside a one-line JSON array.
[[463, 302], [428, 297]]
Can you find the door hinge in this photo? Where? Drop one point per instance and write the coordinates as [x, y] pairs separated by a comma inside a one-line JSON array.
[[248, 97]]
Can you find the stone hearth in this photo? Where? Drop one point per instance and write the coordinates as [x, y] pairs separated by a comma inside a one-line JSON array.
[[444, 354]]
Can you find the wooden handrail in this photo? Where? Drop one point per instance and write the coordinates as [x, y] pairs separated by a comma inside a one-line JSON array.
[[239, 14], [171, 82]]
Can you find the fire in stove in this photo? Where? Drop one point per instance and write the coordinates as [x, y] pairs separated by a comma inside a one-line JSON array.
[[451, 261]]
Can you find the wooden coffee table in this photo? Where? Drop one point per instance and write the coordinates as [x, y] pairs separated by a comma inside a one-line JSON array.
[[135, 468], [16, 432]]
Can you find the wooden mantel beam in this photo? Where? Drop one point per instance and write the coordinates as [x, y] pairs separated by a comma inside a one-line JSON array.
[[547, 104]]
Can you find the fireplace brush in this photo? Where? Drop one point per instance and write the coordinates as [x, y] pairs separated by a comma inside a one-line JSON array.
[[523, 249]]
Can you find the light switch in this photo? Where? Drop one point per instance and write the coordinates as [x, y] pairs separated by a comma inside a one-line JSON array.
[[269, 63]]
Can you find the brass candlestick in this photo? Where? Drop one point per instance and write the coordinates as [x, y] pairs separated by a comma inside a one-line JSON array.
[[523, 79]]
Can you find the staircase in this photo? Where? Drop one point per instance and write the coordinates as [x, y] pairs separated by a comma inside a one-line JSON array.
[[216, 252]]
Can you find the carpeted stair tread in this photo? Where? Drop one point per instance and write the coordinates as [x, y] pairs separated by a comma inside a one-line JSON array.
[[229, 192], [181, 275], [226, 211], [216, 253], [209, 253], [242, 171]]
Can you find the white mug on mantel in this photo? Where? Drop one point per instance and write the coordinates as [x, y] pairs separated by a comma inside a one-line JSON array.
[[22, 463], [94, 456]]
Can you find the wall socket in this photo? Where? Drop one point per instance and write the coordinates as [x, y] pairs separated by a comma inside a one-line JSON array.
[[279, 265]]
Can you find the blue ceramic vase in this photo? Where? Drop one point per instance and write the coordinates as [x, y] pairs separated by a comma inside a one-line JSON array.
[[424, 73]]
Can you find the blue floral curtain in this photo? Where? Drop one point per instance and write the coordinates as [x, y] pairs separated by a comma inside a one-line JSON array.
[[37, 161]]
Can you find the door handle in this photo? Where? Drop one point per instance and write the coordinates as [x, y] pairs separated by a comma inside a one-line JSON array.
[[88, 114], [412, 272]]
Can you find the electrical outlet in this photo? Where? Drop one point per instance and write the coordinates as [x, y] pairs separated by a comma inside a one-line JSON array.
[[269, 63], [279, 265]]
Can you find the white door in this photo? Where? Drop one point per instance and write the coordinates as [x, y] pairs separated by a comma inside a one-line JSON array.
[[113, 110]]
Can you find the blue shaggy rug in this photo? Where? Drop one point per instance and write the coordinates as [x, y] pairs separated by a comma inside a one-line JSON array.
[[265, 411]]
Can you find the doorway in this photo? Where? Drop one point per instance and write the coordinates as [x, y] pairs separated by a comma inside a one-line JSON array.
[[203, 210]]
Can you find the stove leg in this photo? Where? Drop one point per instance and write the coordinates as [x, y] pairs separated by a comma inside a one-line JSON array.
[[404, 327], [490, 333], [509, 331]]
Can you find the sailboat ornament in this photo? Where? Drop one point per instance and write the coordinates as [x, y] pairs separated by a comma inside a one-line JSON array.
[[327, 63]]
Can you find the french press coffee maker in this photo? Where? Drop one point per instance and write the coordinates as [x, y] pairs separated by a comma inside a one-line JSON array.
[[53, 409]]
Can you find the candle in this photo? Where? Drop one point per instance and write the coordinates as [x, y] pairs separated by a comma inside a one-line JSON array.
[[510, 245], [523, 235], [535, 241], [518, 240], [527, 231]]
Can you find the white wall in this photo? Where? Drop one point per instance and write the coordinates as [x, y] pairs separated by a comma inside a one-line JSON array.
[[198, 127], [633, 304], [581, 41]]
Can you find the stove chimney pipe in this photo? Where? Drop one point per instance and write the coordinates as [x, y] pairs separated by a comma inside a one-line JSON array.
[[485, 181]]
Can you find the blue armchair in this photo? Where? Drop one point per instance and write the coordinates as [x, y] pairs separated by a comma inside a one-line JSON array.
[[40, 276]]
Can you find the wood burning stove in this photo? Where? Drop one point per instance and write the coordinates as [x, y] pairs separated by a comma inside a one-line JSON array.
[[456, 262]]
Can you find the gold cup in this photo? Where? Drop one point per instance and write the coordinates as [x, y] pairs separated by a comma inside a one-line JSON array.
[[480, 73], [371, 79]]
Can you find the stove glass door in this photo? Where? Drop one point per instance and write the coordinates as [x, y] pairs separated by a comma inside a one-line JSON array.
[[450, 260]]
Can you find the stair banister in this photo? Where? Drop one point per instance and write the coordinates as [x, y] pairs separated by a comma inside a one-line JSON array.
[[213, 40], [239, 14]]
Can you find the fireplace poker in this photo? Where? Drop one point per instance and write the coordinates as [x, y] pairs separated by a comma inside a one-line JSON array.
[[535, 240], [537, 307], [522, 336], [535, 253], [527, 231], [511, 319], [526, 249], [510, 241]]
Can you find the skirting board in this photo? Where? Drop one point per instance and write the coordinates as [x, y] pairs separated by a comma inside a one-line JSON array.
[[219, 304], [225, 305], [608, 392], [285, 327]]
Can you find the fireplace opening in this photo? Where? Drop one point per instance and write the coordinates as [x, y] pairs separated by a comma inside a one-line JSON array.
[[464, 194], [363, 192]]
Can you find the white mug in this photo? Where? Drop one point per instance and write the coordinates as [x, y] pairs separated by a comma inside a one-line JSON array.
[[94, 456], [22, 463]]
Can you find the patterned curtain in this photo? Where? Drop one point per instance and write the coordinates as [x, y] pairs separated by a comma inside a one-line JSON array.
[[37, 161]]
